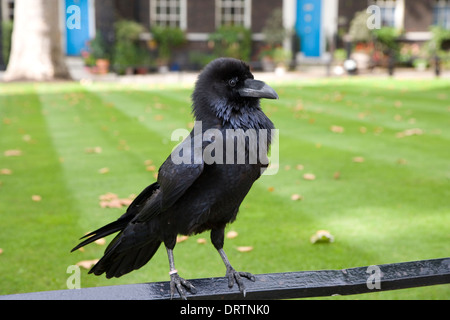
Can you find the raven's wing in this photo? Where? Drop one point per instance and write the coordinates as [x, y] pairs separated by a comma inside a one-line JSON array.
[[176, 175]]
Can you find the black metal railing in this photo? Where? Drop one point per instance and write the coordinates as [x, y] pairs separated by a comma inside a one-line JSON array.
[[274, 285]]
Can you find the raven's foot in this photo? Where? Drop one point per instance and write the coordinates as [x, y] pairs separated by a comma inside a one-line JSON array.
[[234, 275], [179, 283]]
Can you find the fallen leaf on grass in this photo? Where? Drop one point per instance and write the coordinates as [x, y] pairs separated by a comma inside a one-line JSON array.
[[112, 200], [358, 159], [201, 240], [36, 198], [232, 234], [337, 129], [1, 250], [12, 153], [87, 264], [182, 238], [409, 132], [244, 249], [103, 170], [337, 175], [92, 150], [322, 236], [309, 176], [5, 172], [100, 241], [296, 197]]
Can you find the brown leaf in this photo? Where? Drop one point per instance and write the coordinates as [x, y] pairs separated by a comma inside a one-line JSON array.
[[245, 249], [322, 236], [182, 238], [409, 132], [112, 200], [358, 159], [100, 241], [87, 264], [1, 250], [337, 129], [36, 198], [309, 176], [108, 196], [5, 172], [296, 197], [232, 234], [12, 153], [92, 150], [126, 202], [201, 240], [336, 175], [103, 170]]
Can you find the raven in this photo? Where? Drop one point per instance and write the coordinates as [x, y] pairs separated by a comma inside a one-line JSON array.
[[195, 196]]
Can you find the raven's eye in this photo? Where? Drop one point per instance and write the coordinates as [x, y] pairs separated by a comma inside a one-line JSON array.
[[232, 82]]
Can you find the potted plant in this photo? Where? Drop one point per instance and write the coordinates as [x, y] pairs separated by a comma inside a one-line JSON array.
[[232, 41], [99, 53], [273, 56], [129, 52], [166, 39]]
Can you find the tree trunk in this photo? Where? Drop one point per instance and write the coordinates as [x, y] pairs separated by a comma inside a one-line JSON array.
[[36, 52]]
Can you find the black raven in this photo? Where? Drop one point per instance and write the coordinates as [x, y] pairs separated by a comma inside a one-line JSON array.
[[196, 195]]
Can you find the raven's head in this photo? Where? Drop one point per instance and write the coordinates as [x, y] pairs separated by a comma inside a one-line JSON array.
[[227, 91]]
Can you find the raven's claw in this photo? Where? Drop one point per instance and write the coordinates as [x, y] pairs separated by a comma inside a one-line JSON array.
[[234, 275], [177, 282]]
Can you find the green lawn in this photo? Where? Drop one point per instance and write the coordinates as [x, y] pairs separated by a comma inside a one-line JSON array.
[[380, 188]]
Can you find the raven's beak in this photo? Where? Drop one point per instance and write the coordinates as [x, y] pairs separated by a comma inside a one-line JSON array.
[[257, 89]]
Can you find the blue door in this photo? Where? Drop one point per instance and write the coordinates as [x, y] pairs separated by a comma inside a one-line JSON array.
[[308, 26], [77, 26]]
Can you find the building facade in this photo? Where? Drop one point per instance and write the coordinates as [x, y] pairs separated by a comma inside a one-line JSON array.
[[314, 25]]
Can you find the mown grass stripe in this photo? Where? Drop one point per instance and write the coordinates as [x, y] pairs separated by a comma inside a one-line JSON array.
[[90, 134], [35, 235]]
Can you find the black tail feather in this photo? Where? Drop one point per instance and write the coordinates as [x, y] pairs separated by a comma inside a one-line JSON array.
[[104, 231], [115, 263], [122, 222]]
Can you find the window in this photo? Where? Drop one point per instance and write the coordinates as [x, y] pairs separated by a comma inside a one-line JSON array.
[[441, 13], [387, 11], [233, 12], [7, 10], [168, 13]]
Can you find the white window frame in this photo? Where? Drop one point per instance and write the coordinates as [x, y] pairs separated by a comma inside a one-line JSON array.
[[156, 18], [441, 13], [392, 11], [245, 20]]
